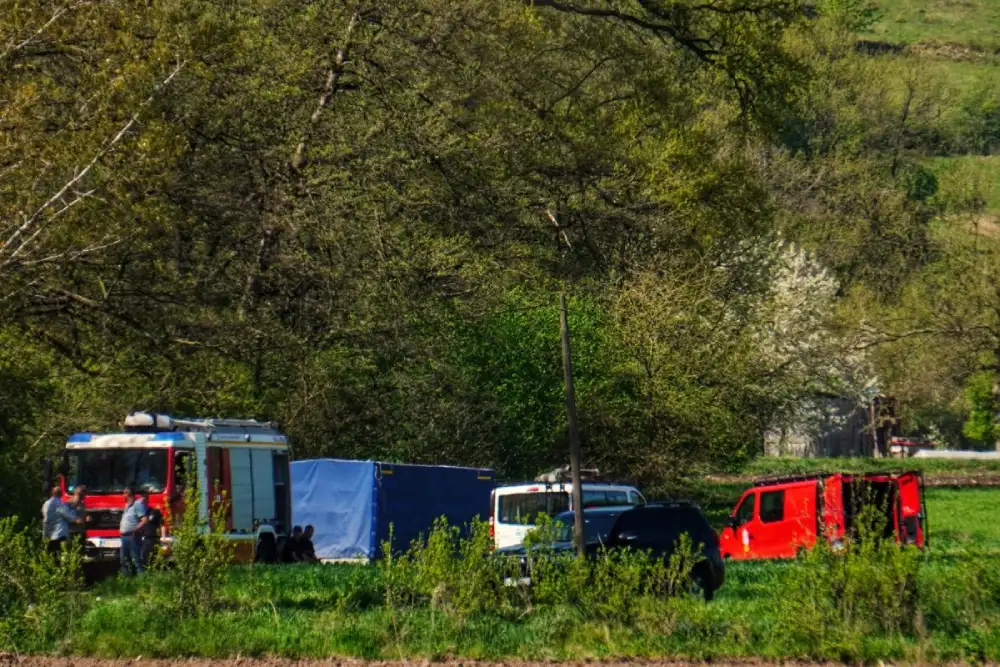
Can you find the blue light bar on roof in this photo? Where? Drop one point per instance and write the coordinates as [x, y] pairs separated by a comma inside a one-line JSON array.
[[173, 437], [81, 437]]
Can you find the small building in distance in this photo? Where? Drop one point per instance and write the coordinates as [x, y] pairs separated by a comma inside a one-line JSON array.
[[844, 428]]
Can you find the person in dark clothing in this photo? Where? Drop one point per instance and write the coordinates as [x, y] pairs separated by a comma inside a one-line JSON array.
[[266, 548], [151, 532], [292, 553], [78, 531], [307, 551]]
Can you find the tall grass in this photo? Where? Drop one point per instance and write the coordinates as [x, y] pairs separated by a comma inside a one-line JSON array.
[[444, 597]]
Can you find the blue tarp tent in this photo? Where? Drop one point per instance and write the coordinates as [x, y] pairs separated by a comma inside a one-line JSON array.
[[351, 504]]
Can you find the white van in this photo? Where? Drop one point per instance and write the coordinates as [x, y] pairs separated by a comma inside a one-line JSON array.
[[514, 508]]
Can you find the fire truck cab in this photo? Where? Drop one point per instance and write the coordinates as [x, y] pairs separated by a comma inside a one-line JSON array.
[[780, 517], [240, 461]]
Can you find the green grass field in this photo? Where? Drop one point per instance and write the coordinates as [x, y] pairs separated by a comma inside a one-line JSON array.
[[961, 518], [340, 610], [965, 22]]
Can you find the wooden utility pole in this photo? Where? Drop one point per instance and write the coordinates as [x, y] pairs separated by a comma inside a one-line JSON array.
[[574, 436]]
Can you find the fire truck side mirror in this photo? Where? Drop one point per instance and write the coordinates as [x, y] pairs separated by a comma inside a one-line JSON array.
[[47, 475], [64, 465], [732, 522]]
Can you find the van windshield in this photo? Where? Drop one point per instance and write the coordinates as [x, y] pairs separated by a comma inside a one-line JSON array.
[[524, 508], [111, 470]]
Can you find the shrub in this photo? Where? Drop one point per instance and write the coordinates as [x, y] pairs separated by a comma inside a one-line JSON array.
[[445, 571], [200, 554], [868, 589], [40, 598]]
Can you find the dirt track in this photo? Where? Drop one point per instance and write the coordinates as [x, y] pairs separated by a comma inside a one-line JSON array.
[[11, 661]]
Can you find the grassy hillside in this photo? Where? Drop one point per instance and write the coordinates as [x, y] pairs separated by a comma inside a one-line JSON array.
[[954, 46], [973, 23]]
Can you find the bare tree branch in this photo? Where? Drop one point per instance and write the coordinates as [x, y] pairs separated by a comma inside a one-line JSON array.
[[72, 255], [69, 185], [701, 47], [332, 86], [879, 337], [31, 38], [38, 230]]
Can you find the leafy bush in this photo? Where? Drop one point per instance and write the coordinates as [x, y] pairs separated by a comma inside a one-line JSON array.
[[200, 555], [463, 577], [613, 585], [833, 598], [979, 122], [445, 571], [40, 599]]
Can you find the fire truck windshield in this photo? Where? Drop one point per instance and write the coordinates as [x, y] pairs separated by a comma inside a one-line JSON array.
[[111, 470]]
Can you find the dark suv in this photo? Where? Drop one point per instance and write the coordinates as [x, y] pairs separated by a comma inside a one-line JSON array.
[[657, 527]]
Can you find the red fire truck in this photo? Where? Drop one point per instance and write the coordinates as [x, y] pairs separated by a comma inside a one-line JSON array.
[[780, 517], [241, 460]]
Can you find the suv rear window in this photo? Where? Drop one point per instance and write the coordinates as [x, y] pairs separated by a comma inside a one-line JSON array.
[[524, 508]]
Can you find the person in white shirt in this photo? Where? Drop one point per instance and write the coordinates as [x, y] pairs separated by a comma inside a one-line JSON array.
[[56, 519]]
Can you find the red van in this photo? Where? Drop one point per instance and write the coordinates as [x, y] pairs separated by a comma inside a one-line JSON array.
[[779, 517]]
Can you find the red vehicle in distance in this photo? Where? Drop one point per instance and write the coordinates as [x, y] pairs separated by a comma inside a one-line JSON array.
[[780, 517]]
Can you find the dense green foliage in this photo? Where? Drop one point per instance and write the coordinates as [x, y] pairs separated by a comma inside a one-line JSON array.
[[39, 595], [355, 218]]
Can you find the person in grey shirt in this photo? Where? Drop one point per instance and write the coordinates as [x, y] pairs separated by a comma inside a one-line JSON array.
[[78, 531], [56, 519], [134, 520]]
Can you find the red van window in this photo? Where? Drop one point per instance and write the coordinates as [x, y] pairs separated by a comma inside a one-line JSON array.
[[772, 506], [744, 514]]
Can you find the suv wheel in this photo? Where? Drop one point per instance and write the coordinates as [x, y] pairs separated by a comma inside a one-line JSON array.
[[700, 589]]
